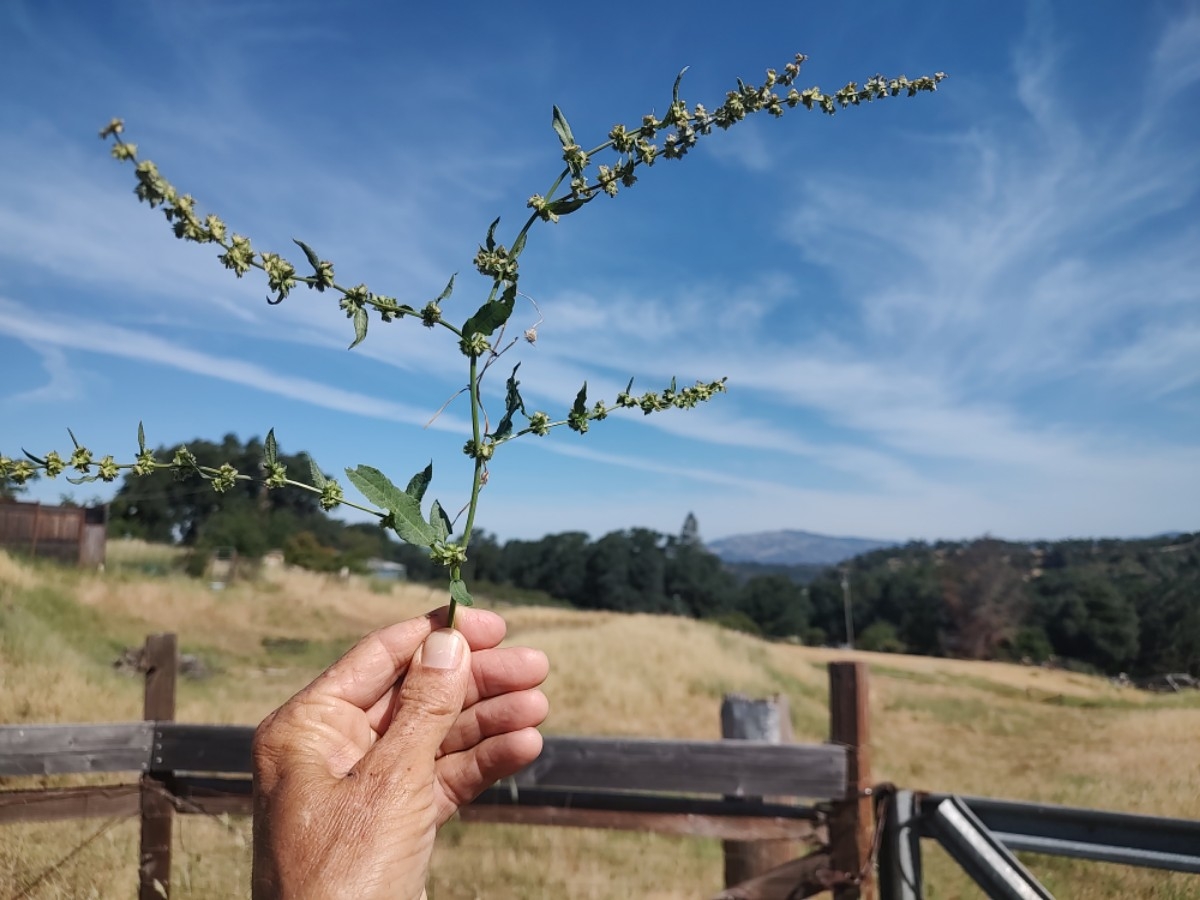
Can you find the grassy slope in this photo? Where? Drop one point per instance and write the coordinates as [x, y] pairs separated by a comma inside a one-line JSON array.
[[979, 728]]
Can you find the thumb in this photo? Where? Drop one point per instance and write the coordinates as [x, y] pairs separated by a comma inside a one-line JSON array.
[[429, 701]]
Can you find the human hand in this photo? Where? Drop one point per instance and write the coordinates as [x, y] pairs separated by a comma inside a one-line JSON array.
[[354, 775]]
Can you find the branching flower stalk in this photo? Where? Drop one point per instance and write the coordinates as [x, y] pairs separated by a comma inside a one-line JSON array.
[[481, 338]]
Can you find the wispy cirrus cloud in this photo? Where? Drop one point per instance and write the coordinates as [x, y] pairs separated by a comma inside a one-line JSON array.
[[25, 324], [1024, 258], [745, 147], [62, 379], [1176, 56]]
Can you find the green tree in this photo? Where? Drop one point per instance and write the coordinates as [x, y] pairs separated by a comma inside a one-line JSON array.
[[1169, 620], [607, 581], [1031, 642], [304, 550], [1088, 619], [238, 523], [825, 598], [486, 560], [696, 583], [915, 593], [881, 637], [690, 533], [360, 542], [626, 571], [647, 569], [1163, 584], [778, 605], [11, 489], [177, 510], [554, 564]]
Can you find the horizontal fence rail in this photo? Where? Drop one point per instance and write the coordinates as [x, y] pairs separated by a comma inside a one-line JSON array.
[[57, 804], [508, 794], [69, 749], [730, 768], [1098, 835], [726, 819], [686, 816], [202, 748], [727, 768]]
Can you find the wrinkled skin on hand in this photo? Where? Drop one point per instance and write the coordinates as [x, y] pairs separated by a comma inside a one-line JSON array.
[[354, 775]]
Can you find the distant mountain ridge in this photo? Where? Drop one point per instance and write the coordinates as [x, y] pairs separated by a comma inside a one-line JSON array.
[[792, 547]]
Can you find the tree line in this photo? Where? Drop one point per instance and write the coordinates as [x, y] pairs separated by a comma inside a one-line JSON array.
[[1109, 605], [1106, 605]]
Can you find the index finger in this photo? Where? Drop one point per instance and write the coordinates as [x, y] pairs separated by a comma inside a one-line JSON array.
[[370, 668]]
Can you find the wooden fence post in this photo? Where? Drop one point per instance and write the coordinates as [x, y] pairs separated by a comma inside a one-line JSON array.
[[851, 830], [757, 720], [160, 662]]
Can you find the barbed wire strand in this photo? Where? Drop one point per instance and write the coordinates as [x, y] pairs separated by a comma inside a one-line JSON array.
[[54, 867]]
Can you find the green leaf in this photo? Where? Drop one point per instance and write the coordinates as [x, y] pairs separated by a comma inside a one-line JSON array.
[[374, 485], [141, 438], [405, 511], [271, 455], [566, 205], [580, 407], [360, 327], [512, 404], [459, 593], [445, 295], [313, 259], [318, 477], [73, 441], [418, 483], [439, 522], [491, 235], [562, 129], [519, 244], [675, 89], [491, 315]]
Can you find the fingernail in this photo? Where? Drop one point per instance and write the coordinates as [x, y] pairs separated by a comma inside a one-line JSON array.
[[443, 649]]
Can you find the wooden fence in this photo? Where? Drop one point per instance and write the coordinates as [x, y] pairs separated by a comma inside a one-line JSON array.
[[745, 792], [72, 534]]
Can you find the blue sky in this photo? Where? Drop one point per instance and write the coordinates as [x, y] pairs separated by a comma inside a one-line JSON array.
[[971, 312]]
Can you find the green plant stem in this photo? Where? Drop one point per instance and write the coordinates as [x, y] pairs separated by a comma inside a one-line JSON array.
[[398, 311], [209, 472], [554, 187], [528, 224], [455, 575], [312, 490], [477, 480], [311, 280], [591, 153]]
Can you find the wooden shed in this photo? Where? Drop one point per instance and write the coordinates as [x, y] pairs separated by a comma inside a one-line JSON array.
[[70, 534]]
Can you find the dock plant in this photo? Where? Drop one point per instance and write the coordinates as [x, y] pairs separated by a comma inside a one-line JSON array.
[[607, 168]]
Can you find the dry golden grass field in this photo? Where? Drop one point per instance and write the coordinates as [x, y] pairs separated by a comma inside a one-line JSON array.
[[975, 728]]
